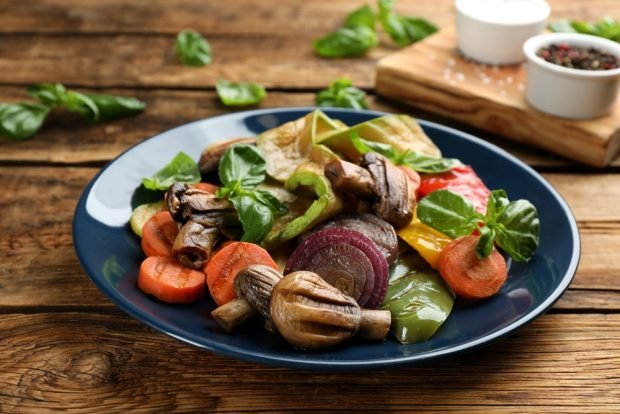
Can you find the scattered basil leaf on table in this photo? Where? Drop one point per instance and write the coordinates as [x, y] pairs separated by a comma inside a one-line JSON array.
[[19, 121], [363, 16], [182, 169], [241, 169], [607, 27], [50, 94], [346, 42], [98, 107], [342, 94], [513, 225], [240, 93], [404, 30], [411, 159], [192, 49]]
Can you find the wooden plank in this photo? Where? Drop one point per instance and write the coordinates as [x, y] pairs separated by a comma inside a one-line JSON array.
[[67, 139], [589, 300], [434, 76], [79, 361], [149, 61], [218, 17], [40, 268]]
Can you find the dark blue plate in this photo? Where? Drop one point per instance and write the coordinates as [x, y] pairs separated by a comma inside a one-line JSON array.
[[110, 253]]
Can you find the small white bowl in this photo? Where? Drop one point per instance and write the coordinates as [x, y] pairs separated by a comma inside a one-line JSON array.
[[567, 92], [493, 31]]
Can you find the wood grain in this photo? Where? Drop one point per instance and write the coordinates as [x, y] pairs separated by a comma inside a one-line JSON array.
[[79, 361], [434, 76], [218, 17]]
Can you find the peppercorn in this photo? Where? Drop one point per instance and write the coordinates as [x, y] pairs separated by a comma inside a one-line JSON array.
[[584, 58]]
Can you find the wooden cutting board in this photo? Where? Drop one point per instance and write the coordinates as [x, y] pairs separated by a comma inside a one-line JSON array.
[[433, 76]]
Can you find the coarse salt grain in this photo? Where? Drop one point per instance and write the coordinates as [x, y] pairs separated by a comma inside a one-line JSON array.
[[459, 76]]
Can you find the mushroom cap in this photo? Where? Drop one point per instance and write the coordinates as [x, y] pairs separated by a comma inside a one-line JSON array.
[[310, 313]]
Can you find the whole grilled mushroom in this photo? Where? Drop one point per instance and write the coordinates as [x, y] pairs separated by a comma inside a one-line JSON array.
[[253, 286], [311, 314]]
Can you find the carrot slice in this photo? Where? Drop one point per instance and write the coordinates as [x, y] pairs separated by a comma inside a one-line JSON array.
[[208, 187], [158, 234], [224, 265], [468, 276], [169, 281]]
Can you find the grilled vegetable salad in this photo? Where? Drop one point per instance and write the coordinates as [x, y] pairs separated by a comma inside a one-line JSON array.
[[325, 232]]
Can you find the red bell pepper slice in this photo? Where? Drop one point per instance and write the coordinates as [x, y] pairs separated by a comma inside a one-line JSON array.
[[461, 180]]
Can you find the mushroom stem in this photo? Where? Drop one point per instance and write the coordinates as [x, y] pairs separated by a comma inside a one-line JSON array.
[[351, 178], [234, 313], [375, 324]]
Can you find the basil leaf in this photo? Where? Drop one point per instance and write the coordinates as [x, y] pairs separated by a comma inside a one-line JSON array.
[[50, 94], [240, 93], [364, 146], [256, 218], [363, 16], [342, 94], [518, 230], [403, 30], [82, 104], [244, 164], [485, 243], [182, 169], [346, 42], [111, 107], [607, 27], [268, 199], [20, 121], [192, 49], [448, 212], [425, 164], [498, 201]]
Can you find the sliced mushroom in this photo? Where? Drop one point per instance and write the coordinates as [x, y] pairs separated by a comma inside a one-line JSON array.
[[186, 203], [393, 203], [311, 314], [253, 286], [210, 157], [194, 244], [377, 180]]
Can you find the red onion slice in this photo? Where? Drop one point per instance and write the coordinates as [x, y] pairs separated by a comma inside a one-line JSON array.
[[346, 259]]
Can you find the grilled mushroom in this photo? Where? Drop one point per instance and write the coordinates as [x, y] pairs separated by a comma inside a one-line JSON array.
[[311, 314], [194, 244], [377, 180], [210, 157], [253, 286]]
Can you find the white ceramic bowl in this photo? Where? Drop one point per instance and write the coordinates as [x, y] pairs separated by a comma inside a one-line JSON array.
[[567, 92], [493, 31]]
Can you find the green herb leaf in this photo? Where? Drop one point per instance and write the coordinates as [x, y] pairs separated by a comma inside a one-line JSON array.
[[363, 16], [450, 213], [244, 164], [607, 27], [411, 159], [182, 169], [50, 94], [256, 218], [485, 243], [192, 49], [20, 121], [342, 94], [498, 201], [240, 93], [346, 42], [268, 199], [365, 146], [403, 30], [518, 230]]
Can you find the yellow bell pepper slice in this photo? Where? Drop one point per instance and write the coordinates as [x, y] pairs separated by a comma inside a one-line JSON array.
[[425, 240]]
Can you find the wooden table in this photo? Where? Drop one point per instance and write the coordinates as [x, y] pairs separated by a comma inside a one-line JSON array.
[[64, 346]]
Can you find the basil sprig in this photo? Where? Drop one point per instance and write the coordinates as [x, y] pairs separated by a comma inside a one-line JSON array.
[[363, 16], [342, 94], [192, 49], [512, 225], [403, 30], [240, 93], [607, 27], [241, 169], [19, 121], [346, 42], [181, 169], [409, 158]]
